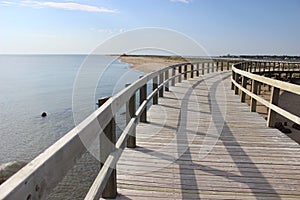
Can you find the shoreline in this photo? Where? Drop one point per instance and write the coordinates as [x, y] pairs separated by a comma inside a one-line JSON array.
[[149, 64]]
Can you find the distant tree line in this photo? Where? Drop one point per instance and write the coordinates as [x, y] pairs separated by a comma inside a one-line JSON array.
[[264, 57]]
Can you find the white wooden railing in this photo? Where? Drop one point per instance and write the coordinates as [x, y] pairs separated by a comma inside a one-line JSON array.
[[245, 73]]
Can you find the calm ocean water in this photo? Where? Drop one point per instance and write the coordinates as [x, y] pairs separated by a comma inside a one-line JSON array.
[[31, 84]]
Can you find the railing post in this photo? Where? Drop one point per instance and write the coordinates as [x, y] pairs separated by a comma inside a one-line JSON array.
[[185, 72], [143, 97], [107, 145], [154, 86], [212, 66], [161, 80], [202, 68], [197, 69], [180, 73], [254, 91], [259, 88], [207, 70], [130, 112], [173, 74], [228, 65], [217, 66], [166, 78], [236, 78], [192, 71], [274, 100], [233, 77], [244, 84]]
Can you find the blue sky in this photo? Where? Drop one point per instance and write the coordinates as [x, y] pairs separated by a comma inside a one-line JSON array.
[[220, 26]]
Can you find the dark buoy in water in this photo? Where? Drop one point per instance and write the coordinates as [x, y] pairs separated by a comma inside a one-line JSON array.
[[44, 114]]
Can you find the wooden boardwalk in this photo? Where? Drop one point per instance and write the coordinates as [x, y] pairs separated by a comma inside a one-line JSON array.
[[201, 142]]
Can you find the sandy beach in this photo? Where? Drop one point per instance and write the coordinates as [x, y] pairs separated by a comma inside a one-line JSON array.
[[149, 64]]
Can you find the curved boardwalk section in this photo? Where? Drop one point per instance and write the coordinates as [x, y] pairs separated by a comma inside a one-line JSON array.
[[200, 142]]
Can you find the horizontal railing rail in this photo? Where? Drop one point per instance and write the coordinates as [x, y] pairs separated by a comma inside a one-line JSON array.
[[264, 66], [243, 74], [37, 179]]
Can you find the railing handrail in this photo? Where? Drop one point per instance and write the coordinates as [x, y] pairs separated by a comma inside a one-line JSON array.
[[269, 81], [269, 61]]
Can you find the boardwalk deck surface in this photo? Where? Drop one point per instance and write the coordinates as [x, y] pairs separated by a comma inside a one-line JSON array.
[[200, 142]]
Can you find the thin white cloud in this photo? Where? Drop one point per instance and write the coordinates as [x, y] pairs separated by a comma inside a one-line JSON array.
[[76, 6], [181, 1], [61, 5], [109, 31], [42, 35], [7, 3]]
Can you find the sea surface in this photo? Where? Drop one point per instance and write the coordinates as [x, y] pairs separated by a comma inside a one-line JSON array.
[[32, 84]]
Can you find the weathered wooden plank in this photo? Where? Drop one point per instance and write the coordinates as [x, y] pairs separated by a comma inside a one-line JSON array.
[[248, 161]]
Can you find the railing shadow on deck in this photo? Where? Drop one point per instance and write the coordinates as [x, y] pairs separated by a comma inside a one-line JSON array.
[[188, 174], [269, 191]]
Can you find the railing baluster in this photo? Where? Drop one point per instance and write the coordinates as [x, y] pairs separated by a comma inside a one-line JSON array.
[[222, 66], [259, 88], [207, 65], [107, 145], [180, 73], [192, 71], [274, 100], [166, 78], [143, 96], [254, 91], [244, 84], [236, 78], [154, 86], [197, 69], [233, 76], [130, 112], [202, 68], [173, 74], [161, 80], [185, 72]]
